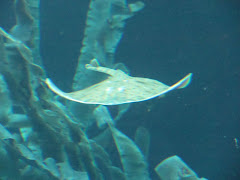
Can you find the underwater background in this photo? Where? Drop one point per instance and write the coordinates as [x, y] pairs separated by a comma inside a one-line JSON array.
[[165, 41]]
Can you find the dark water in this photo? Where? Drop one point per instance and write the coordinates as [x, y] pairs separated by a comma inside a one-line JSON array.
[[165, 41]]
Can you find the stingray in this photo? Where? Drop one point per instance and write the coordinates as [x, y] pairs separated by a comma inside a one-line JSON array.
[[118, 88]]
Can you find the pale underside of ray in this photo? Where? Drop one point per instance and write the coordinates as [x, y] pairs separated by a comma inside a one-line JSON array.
[[119, 88]]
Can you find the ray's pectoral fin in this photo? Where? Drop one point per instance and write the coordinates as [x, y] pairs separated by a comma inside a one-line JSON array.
[[65, 95], [184, 82], [55, 89]]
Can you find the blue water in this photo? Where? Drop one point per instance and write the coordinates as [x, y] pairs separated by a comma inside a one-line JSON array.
[[165, 41]]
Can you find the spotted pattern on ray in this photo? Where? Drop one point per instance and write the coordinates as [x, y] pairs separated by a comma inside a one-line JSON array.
[[119, 88]]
